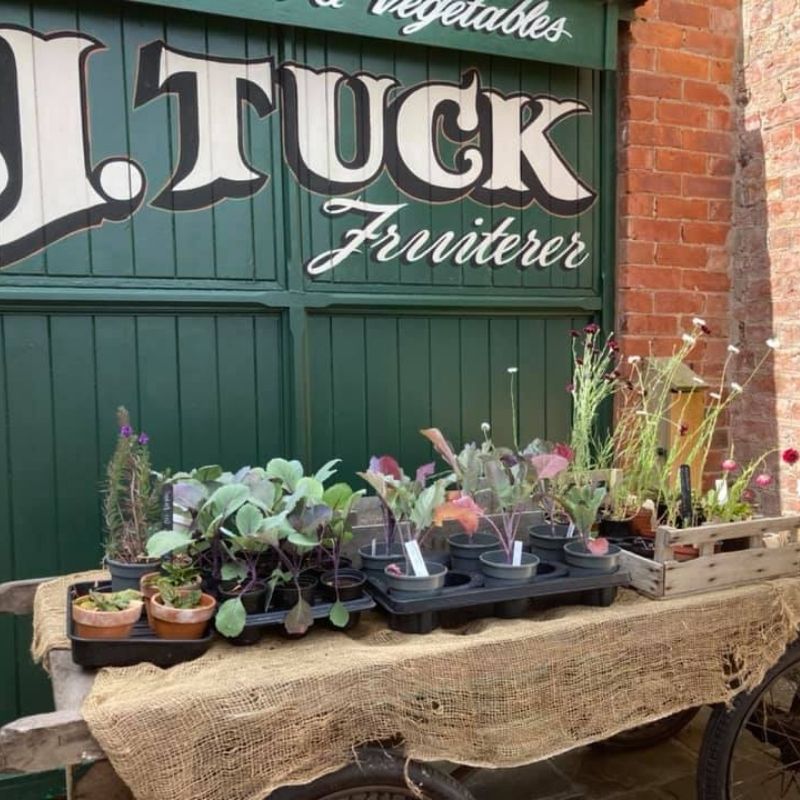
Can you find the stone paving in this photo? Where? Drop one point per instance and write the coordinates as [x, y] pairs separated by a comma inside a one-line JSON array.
[[666, 772]]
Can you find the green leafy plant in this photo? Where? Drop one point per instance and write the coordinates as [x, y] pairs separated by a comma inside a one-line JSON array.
[[179, 596], [131, 495], [582, 503], [109, 601]]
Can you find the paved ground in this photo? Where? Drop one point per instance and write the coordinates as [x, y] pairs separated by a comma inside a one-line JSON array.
[[665, 772]]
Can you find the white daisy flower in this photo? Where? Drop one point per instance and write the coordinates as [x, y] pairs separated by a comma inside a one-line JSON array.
[[688, 338], [512, 370], [698, 323], [736, 387], [774, 344], [634, 359], [715, 395], [732, 348], [697, 379], [485, 427]]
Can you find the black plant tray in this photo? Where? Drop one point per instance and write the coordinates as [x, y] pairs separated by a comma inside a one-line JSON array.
[[142, 645], [319, 610], [465, 597]]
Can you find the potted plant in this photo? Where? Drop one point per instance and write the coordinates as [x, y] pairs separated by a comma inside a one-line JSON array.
[[131, 507], [587, 551], [510, 480], [465, 548], [181, 613], [412, 504], [380, 473], [106, 615], [550, 465], [339, 585]]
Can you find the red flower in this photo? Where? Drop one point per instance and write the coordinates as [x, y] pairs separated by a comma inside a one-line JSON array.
[[591, 328], [706, 330], [570, 387], [763, 480], [790, 456], [613, 345], [729, 465], [684, 429], [574, 334], [563, 450]]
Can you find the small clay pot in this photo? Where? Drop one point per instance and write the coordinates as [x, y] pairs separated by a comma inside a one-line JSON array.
[[147, 586], [350, 585], [91, 624], [181, 623]]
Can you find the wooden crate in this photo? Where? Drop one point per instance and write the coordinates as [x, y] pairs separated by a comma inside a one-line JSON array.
[[773, 552]]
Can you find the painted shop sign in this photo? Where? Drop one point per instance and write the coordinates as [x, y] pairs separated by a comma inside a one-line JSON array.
[[505, 158], [576, 32]]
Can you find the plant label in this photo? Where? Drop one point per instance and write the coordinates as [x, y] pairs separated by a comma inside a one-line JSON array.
[[571, 530], [373, 547], [415, 558], [722, 490], [517, 558]]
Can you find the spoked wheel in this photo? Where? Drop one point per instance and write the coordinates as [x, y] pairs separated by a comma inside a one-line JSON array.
[[752, 750], [651, 734], [379, 775]]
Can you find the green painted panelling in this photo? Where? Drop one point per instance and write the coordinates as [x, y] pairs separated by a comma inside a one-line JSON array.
[[46, 786], [206, 387], [374, 381]]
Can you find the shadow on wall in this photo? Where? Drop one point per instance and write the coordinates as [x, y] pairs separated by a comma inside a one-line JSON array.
[[754, 422]]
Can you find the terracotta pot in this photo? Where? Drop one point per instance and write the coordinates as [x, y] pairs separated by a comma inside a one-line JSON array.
[[105, 624], [642, 523], [181, 623], [148, 588]]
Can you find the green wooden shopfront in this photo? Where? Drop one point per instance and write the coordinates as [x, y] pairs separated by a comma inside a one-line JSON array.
[[284, 227]]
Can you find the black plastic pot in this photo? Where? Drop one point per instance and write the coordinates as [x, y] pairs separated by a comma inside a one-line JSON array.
[[466, 551], [253, 601], [638, 546], [127, 576], [350, 585], [547, 541], [577, 555], [498, 572], [285, 595], [414, 585], [381, 559], [616, 528]]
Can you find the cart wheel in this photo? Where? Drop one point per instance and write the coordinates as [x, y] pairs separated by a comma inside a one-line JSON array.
[[378, 775], [651, 734], [752, 749]]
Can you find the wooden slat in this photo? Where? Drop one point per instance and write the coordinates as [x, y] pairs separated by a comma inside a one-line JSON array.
[[730, 569], [727, 530], [46, 741], [647, 577], [16, 597]]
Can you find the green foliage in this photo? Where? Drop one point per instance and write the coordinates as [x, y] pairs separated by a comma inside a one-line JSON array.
[[582, 504], [131, 495], [179, 572], [109, 601], [339, 615], [231, 617], [179, 596]]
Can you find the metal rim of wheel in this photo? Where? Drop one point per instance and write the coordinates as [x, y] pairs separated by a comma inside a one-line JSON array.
[[379, 775], [752, 750]]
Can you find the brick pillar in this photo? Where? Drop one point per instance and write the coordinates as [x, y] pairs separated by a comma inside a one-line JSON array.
[[677, 163], [766, 259]]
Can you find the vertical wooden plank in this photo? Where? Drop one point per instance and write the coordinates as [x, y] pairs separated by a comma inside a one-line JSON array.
[[233, 223], [446, 400], [475, 376], [349, 394], [237, 395], [149, 129], [195, 256], [589, 139], [198, 375], [383, 386], [109, 91], [413, 355], [533, 380], [269, 365], [503, 354], [76, 445], [320, 380], [159, 400]]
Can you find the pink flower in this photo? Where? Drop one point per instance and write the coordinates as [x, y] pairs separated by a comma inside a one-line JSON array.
[[790, 456], [763, 480], [729, 465], [684, 429], [570, 387], [591, 328]]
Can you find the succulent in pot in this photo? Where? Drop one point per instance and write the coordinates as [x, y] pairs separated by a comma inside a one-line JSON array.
[[106, 615], [131, 506], [181, 613]]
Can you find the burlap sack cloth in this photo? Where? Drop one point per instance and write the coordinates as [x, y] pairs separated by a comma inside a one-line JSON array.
[[239, 722]]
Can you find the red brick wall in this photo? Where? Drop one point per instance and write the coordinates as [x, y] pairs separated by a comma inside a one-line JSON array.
[[767, 221], [677, 164]]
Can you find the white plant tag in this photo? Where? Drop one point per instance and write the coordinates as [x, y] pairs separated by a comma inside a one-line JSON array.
[[517, 554], [722, 490], [571, 530], [374, 547], [415, 559], [798, 487]]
